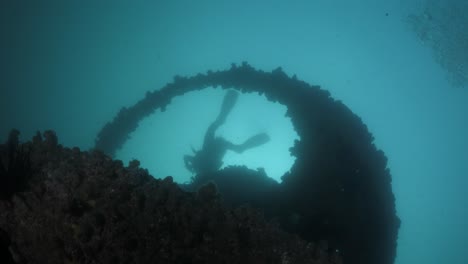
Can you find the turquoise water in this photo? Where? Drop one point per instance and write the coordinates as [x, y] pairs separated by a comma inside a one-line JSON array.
[[71, 66]]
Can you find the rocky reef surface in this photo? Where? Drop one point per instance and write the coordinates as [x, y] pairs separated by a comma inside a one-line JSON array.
[[64, 205]]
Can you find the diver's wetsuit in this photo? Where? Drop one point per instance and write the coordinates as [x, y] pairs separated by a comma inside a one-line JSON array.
[[210, 157]]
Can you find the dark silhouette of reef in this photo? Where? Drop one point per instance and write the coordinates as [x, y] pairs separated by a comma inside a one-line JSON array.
[[339, 188], [84, 207], [15, 166]]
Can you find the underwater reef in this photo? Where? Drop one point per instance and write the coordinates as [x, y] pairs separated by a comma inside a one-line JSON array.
[[84, 207], [335, 205], [339, 188]]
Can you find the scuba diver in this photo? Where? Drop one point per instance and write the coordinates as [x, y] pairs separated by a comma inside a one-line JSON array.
[[209, 157]]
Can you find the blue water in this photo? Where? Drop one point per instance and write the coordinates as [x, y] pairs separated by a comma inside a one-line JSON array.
[[70, 67]]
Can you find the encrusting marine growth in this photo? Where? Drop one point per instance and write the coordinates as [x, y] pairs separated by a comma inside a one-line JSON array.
[[339, 188], [70, 206]]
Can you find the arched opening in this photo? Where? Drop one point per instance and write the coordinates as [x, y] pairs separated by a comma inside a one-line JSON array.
[[163, 138]]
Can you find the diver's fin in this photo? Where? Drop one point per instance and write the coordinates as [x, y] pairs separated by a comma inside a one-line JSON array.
[[254, 141]]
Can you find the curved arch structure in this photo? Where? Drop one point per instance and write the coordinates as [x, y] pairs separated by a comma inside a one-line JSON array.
[[339, 188]]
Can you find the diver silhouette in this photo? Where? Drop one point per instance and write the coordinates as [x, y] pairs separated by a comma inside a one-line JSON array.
[[209, 157]]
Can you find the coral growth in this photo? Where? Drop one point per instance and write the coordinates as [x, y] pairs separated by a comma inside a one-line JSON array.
[[15, 166], [87, 208], [84, 207]]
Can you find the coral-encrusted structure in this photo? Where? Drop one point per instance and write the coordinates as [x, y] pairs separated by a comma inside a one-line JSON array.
[[84, 207], [338, 190]]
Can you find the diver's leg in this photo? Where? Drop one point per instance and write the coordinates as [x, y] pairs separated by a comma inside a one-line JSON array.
[[229, 101]]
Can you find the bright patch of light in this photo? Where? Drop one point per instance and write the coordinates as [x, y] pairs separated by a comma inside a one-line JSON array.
[[162, 140], [253, 114]]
